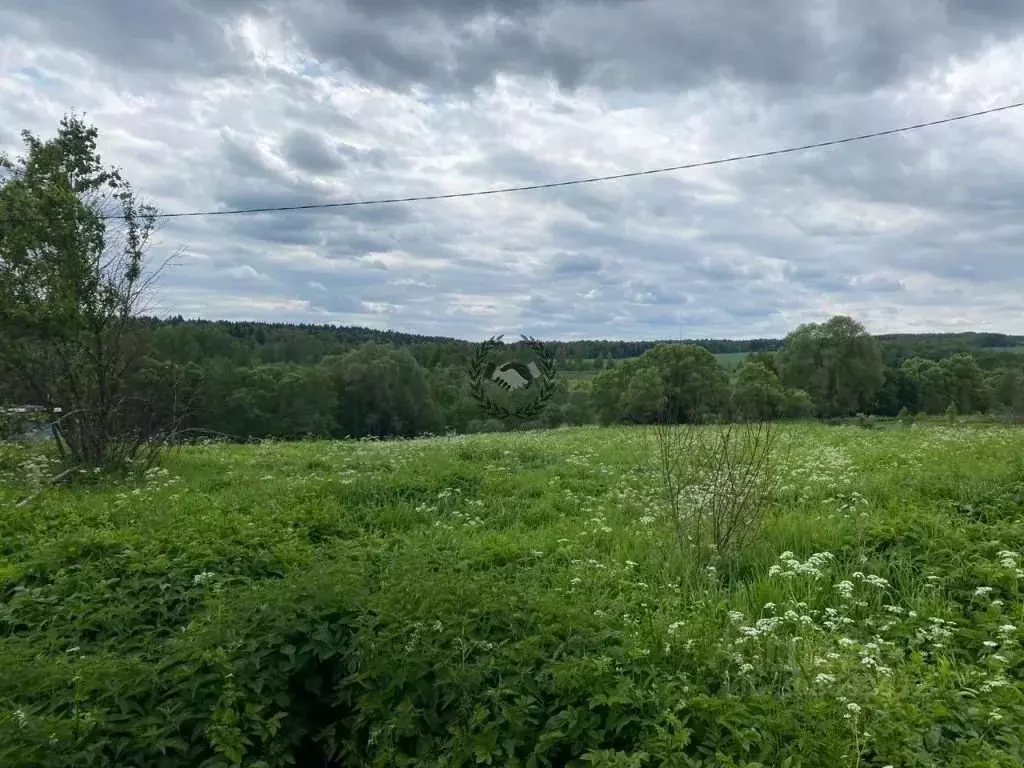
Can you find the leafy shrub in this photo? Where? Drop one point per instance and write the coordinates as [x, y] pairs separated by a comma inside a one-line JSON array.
[[952, 413], [905, 417]]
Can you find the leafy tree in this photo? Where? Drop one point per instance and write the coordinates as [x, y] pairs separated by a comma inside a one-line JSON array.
[[932, 383], [762, 357], [1006, 388], [383, 391], [697, 386], [757, 392], [72, 278], [677, 382], [897, 391], [967, 383], [606, 391], [646, 397], [837, 363], [798, 405]]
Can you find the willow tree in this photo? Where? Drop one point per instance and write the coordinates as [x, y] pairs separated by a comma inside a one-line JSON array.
[[73, 276], [838, 363]]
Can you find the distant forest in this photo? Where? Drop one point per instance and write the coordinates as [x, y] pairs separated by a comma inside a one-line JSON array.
[[303, 343], [247, 380]]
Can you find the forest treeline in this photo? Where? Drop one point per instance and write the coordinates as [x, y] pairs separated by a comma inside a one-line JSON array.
[[256, 380]]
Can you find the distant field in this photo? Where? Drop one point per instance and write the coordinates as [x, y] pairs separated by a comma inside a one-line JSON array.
[[516, 600], [726, 359], [731, 359]]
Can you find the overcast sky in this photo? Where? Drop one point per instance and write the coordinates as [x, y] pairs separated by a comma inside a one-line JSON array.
[[217, 104]]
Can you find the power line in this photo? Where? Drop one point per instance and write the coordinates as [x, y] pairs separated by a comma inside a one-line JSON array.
[[592, 179]]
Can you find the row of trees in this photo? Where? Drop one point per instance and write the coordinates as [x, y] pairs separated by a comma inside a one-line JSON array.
[[73, 277], [828, 370], [825, 370]]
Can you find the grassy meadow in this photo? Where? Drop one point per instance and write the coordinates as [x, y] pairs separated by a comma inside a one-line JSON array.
[[516, 600]]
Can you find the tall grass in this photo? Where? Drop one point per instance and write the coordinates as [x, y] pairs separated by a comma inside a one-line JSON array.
[[516, 600]]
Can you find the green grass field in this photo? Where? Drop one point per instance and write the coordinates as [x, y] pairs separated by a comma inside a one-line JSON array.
[[516, 600], [730, 360]]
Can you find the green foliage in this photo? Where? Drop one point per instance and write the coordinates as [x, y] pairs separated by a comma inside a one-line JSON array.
[[757, 392], [952, 413], [905, 417], [865, 422], [836, 362], [679, 382], [515, 600], [72, 241]]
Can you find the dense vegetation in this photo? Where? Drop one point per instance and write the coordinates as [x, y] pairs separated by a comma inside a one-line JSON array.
[[287, 381], [516, 600]]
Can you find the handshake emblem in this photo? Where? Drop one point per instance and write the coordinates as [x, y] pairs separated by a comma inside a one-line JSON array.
[[535, 376], [514, 375]]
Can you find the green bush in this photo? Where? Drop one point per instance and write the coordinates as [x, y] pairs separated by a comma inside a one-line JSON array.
[[905, 417]]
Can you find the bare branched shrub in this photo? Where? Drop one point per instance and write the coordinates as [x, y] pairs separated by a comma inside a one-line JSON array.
[[716, 482]]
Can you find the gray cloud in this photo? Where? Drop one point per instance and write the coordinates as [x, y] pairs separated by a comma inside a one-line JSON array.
[[575, 264], [308, 151], [261, 103], [161, 37], [647, 44]]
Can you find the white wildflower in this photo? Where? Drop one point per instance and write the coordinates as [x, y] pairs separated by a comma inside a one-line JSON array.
[[1008, 559]]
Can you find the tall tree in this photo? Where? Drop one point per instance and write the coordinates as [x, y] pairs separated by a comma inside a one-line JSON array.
[[967, 383], [836, 362], [72, 242], [382, 391], [932, 384], [678, 382], [757, 392]]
